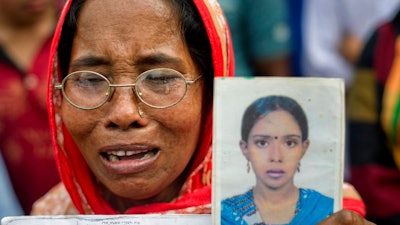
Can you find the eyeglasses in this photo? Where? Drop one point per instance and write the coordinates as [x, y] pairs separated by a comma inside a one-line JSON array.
[[158, 88]]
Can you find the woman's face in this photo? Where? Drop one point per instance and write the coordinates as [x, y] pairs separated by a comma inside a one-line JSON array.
[[274, 148], [121, 40]]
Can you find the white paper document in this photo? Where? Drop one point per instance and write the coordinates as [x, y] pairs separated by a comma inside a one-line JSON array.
[[148, 219]]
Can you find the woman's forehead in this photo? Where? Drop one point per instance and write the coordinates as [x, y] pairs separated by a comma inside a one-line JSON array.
[[129, 13], [278, 119], [111, 33]]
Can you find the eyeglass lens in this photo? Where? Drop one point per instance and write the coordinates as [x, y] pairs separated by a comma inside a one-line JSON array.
[[161, 88]]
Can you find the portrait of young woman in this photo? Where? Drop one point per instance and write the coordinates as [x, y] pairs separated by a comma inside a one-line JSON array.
[[274, 140], [130, 100], [282, 167]]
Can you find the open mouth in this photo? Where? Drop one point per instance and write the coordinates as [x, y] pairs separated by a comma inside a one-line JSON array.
[[115, 156]]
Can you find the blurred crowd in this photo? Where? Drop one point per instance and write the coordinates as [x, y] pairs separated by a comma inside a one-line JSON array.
[[355, 40], [27, 163]]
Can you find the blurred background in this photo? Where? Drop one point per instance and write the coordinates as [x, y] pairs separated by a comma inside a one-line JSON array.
[[350, 39]]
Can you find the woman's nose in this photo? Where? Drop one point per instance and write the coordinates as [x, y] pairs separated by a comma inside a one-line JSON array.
[[276, 153], [124, 110]]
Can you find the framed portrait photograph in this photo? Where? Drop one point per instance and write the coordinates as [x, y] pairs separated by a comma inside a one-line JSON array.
[[278, 149]]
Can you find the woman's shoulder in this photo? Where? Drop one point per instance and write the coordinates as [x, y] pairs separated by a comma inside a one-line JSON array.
[[314, 198], [233, 209], [313, 207], [239, 204], [239, 199], [312, 192], [55, 202]]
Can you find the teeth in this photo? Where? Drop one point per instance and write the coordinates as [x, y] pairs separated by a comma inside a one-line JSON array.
[[148, 155], [113, 158], [122, 153], [129, 153]]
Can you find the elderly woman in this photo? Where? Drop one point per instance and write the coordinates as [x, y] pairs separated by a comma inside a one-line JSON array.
[[130, 102]]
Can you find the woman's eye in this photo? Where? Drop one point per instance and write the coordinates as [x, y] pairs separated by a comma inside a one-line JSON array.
[[162, 84], [88, 80], [261, 143], [291, 143], [161, 80]]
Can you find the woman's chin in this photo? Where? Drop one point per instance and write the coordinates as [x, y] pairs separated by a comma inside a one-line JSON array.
[[139, 190]]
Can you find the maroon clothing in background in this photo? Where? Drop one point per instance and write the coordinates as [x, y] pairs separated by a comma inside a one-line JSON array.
[[24, 128]]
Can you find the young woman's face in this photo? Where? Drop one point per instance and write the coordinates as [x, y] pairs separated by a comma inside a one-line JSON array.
[[135, 157], [274, 148]]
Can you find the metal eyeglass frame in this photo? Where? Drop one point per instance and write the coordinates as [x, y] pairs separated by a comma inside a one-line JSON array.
[[111, 88]]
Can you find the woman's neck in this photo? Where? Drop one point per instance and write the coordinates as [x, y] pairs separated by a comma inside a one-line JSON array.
[[276, 206]]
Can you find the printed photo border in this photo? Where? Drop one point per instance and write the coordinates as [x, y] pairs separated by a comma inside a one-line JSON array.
[[322, 166]]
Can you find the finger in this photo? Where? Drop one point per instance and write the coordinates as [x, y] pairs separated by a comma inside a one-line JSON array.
[[345, 217]]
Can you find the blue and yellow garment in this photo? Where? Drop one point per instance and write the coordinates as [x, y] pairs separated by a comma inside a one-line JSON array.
[[373, 112]]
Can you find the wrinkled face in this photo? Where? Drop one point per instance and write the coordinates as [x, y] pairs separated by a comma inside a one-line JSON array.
[[136, 157], [274, 148]]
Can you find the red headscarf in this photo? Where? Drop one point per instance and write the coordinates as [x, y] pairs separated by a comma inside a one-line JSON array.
[[195, 195]]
